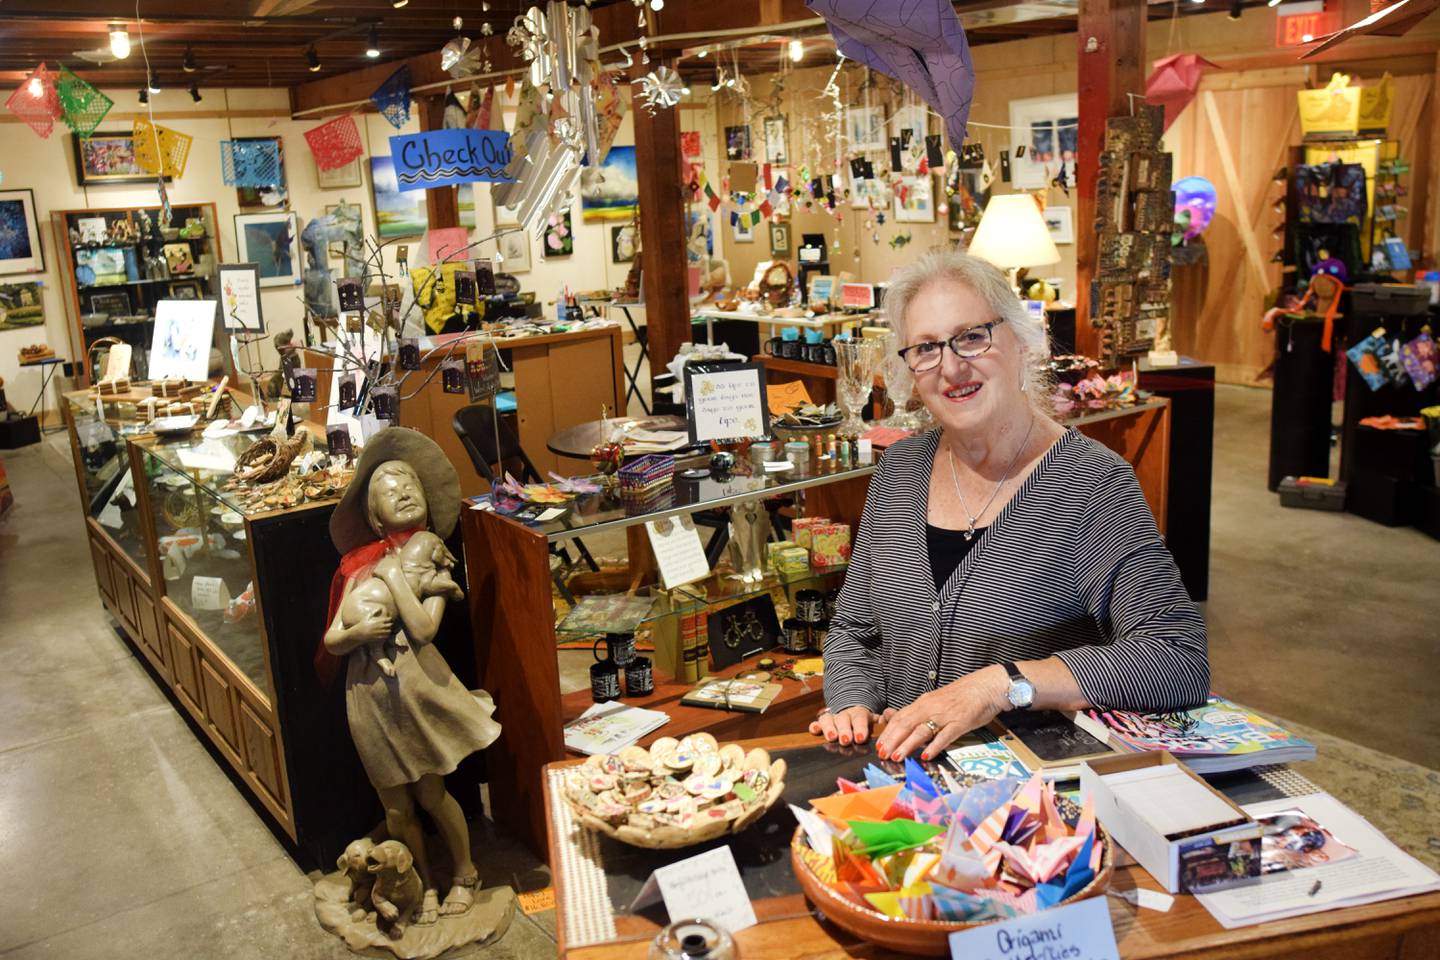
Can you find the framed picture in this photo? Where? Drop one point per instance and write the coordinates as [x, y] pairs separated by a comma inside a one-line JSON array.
[[737, 143], [271, 241], [624, 243], [910, 124], [610, 191], [743, 630], [397, 213], [915, 200], [21, 305], [777, 149], [109, 157], [273, 197], [1061, 223], [340, 178], [504, 216], [1047, 128], [867, 193], [559, 239], [465, 203], [780, 238], [19, 233], [726, 402], [865, 129], [185, 290], [179, 259], [515, 249], [114, 302], [744, 231], [968, 203], [240, 298], [180, 347]]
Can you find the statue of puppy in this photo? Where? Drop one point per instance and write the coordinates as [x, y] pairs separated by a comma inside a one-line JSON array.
[[357, 870], [398, 890]]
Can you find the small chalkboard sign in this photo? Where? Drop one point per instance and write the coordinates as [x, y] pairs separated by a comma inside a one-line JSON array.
[[725, 402]]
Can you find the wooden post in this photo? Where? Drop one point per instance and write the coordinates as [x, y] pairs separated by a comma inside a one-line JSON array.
[[662, 229], [1112, 65], [442, 208]]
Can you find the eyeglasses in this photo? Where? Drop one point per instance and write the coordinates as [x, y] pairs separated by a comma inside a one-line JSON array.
[[967, 344]]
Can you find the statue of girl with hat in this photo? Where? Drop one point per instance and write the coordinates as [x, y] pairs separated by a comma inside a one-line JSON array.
[[411, 719]]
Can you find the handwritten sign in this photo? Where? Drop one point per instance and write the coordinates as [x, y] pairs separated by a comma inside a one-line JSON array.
[[438, 158], [710, 880], [678, 553], [1079, 931], [208, 593], [240, 297], [727, 403], [785, 397]]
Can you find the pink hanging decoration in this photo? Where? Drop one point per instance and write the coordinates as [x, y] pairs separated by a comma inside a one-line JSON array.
[[36, 101], [335, 143]]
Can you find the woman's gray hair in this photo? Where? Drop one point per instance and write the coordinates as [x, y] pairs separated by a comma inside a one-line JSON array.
[[992, 286]]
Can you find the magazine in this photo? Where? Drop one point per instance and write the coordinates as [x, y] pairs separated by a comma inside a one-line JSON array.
[[612, 726], [1215, 738]]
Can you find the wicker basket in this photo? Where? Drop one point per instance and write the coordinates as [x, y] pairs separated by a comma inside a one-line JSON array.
[[253, 466]]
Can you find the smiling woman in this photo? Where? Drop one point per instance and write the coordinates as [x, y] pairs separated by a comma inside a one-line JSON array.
[[1043, 583]]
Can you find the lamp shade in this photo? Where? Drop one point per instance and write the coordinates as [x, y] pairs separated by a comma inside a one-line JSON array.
[[1012, 234]]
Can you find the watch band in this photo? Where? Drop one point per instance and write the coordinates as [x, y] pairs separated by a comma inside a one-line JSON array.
[[1014, 671]]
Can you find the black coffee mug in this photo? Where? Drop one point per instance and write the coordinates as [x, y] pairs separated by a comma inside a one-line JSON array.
[[639, 678], [832, 597], [810, 605], [796, 636], [819, 633], [619, 648], [775, 346], [604, 682]]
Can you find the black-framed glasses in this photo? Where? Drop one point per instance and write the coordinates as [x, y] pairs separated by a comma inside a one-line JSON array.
[[967, 344]]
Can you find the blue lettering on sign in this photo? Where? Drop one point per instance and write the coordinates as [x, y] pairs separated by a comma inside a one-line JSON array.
[[439, 158]]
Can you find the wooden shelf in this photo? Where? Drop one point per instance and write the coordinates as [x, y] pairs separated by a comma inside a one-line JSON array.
[[823, 371]]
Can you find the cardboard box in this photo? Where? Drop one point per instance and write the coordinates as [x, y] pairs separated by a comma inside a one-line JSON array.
[[800, 529], [1221, 852]]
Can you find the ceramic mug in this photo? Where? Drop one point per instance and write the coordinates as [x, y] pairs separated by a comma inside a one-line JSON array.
[[639, 678], [796, 636], [820, 353], [619, 648], [819, 632], [810, 605], [604, 682], [785, 349], [832, 597]]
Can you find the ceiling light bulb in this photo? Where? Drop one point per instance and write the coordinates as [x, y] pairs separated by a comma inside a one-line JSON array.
[[703, 54], [119, 41], [152, 84], [397, 4], [797, 51], [1306, 38], [144, 97], [657, 5], [1273, 3], [37, 89], [195, 92], [372, 49], [188, 64], [312, 60]]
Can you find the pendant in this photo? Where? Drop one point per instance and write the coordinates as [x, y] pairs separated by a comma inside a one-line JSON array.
[[970, 534]]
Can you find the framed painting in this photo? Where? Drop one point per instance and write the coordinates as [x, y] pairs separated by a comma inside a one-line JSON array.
[[19, 233], [623, 243], [271, 241], [865, 129], [777, 148], [514, 250], [737, 143], [340, 178], [273, 197], [397, 213], [1060, 221], [1047, 129], [915, 200], [21, 305], [744, 231], [559, 238], [780, 238], [103, 157], [610, 191]]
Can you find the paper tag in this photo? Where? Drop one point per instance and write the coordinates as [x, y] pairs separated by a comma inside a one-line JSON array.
[[1081, 930], [208, 593], [784, 397], [537, 901], [117, 362], [110, 517], [678, 553], [711, 880]]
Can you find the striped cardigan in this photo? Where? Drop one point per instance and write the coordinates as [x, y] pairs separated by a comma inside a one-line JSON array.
[[1073, 567]]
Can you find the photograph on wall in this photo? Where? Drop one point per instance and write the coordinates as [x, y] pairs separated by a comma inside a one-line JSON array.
[[273, 197], [610, 191], [179, 259], [910, 124], [780, 238], [180, 349], [624, 243], [340, 178], [515, 249], [777, 150], [397, 213], [271, 241], [744, 231], [737, 143], [102, 158], [21, 305], [19, 233], [865, 128], [968, 202], [559, 239], [1047, 128], [915, 200], [1060, 221], [465, 201]]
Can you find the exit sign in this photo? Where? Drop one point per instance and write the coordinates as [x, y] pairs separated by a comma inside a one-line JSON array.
[[1302, 28]]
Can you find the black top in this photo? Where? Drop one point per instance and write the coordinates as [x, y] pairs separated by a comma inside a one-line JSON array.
[[947, 548]]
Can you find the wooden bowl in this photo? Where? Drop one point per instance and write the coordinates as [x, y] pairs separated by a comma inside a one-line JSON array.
[[922, 938]]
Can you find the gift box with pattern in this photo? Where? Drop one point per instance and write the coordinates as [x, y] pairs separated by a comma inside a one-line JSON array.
[[792, 561], [830, 544], [801, 527], [772, 550]]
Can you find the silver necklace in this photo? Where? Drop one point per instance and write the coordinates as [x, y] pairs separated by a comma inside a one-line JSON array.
[[955, 478]]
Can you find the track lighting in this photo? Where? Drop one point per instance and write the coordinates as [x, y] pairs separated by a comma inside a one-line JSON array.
[[188, 64], [144, 97], [397, 4], [152, 84], [703, 54], [195, 92], [372, 49], [312, 59], [797, 51], [1236, 9], [657, 5], [119, 41]]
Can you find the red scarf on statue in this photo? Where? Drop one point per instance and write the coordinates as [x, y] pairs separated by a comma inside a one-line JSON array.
[[355, 565]]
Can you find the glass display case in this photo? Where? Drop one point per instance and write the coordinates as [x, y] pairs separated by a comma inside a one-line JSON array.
[[106, 484]]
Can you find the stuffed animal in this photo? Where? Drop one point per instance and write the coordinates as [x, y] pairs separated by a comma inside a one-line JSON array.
[[398, 890], [355, 864]]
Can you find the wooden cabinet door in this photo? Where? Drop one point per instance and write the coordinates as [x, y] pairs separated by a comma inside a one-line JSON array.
[[101, 559], [185, 670], [150, 636]]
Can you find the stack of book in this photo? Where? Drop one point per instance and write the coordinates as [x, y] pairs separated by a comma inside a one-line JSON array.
[[609, 727], [1215, 738]]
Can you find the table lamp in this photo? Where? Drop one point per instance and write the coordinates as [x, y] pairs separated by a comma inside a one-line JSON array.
[[1012, 234]]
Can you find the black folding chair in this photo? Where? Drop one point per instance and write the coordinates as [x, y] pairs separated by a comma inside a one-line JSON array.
[[489, 439]]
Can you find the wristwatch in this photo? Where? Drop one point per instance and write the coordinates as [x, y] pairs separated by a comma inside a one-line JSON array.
[[1021, 693]]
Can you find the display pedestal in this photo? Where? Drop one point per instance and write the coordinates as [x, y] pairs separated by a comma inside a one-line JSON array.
[[485, 922]]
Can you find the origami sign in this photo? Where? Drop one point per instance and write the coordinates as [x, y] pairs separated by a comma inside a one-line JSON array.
[[1174, 82], [438, 158]]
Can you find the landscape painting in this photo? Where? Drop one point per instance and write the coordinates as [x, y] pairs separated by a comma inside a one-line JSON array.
[[611, 190], [397, 213]]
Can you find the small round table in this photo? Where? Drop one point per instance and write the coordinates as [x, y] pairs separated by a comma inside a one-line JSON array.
[[579, 440]]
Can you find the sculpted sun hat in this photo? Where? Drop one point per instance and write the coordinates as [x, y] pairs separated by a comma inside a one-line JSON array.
[[349, 527]]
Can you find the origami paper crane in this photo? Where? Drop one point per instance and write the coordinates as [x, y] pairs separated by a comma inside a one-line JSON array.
[[875, 777], [1076, 878], [918, 780], [889, 902], [1174, 82], [920, 43], [842, 808], [1393, 21], [878, 839]]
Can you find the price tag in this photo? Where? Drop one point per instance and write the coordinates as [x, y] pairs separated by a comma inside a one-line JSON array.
[[678, 553], [1079, 931], [208, 593], [712, 879]]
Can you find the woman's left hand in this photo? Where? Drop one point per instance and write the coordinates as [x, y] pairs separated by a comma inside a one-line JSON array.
[[940, 717]]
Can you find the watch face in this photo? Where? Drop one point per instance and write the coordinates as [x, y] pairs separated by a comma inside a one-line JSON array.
[[1021, 693]]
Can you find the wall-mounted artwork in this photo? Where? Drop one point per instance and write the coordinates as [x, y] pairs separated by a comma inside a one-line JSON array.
[[915, 200], [19, 233], [397, 213], [465, 201], [623, 243], [610, 191], [737, 143], [271, 241], [911, 124], [1060, 221], [340, 178], [559, 239], [179, 259], [102, 158], [865, 129], [272, 197], [1048, 128], [21, 305], [777, 147], [515, 250]]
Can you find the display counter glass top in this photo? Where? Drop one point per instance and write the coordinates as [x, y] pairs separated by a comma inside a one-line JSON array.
[[109, 488]]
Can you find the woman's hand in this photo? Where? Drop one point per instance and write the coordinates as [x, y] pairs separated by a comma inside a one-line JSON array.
[[942, 716], [851, 725]]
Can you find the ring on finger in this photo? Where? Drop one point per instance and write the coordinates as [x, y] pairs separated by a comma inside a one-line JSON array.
[[934, 727]]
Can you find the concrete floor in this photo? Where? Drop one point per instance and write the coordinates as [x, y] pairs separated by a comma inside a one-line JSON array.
[[123, 837]]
